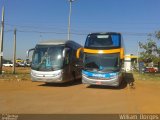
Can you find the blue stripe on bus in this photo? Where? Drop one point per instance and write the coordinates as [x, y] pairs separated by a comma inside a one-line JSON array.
[[100, 75]]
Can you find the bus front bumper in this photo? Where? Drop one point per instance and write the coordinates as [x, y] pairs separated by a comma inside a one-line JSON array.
[[108, 82], [48, 77]]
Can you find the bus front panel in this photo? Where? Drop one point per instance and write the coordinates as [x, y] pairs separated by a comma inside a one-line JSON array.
[[94, 78]]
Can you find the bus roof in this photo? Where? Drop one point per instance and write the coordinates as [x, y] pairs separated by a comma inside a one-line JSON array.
[[53, 42], [60, 42], [104, 33]]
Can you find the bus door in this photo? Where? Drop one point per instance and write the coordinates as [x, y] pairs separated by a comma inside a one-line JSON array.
[[79, 62], [67, 66]]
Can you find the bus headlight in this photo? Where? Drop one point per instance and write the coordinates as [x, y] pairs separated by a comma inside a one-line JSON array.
[[33, 74], [57, 74], [114, 77]]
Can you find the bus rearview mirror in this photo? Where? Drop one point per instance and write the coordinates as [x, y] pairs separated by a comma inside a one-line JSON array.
[[65, 50], [29, 52]]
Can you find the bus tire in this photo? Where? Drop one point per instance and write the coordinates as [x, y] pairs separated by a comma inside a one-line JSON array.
[[74, 76]]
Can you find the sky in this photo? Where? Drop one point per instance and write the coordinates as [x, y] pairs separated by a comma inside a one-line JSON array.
[[37, 20]]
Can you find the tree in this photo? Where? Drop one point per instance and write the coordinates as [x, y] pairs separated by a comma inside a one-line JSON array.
[[151, 51], [158, 35]]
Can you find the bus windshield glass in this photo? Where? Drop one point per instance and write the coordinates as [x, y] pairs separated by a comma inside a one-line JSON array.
[[47, 58], [103, 41], [101, 62]]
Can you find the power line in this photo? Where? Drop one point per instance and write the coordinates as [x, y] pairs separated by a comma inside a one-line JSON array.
[[44, 32], [137, 34], [33, 27], [48, 32], [8, 30], [63, 29], [75, 33], [49, 27]]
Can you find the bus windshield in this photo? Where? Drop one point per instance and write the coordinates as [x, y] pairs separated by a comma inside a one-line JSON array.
[[47, 58], [101, 62], [103, 41]]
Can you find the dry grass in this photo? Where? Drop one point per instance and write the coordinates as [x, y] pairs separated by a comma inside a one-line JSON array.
[[20, 74], [24, 74], [147, 76]]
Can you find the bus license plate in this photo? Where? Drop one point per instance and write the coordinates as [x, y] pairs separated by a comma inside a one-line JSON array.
[[98, 83]]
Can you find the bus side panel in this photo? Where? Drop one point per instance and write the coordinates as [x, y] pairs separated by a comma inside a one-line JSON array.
[[67, 75]]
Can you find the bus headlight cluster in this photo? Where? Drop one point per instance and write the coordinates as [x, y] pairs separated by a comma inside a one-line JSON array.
[[33, 74], [57, 74], [84, 74], [114, 77]]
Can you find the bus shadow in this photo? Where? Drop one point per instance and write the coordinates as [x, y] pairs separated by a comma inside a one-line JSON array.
[[67, 84], [122, 86], [127, 81]]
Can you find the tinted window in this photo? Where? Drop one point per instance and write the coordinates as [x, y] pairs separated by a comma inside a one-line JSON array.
[[101, 62], [103, 40]]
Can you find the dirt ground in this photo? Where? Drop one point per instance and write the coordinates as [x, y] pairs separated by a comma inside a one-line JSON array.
[[24, 96]]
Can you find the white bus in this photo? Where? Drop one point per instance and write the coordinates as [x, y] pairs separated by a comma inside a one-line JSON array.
[[54, 61]]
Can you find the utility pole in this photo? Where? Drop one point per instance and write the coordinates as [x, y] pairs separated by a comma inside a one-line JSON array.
[[14, 52], [69, 19], [138, 56], [1, 41]]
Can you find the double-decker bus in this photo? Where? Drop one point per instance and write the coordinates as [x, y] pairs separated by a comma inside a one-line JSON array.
[[54, 61], [103, 56]]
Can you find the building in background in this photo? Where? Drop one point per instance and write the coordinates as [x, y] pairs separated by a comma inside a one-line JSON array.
[[130, 62]]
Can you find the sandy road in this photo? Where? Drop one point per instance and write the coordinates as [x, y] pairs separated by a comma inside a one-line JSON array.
[[31, 97]]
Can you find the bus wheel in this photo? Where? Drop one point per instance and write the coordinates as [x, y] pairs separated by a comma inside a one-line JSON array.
[[74, 76]]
